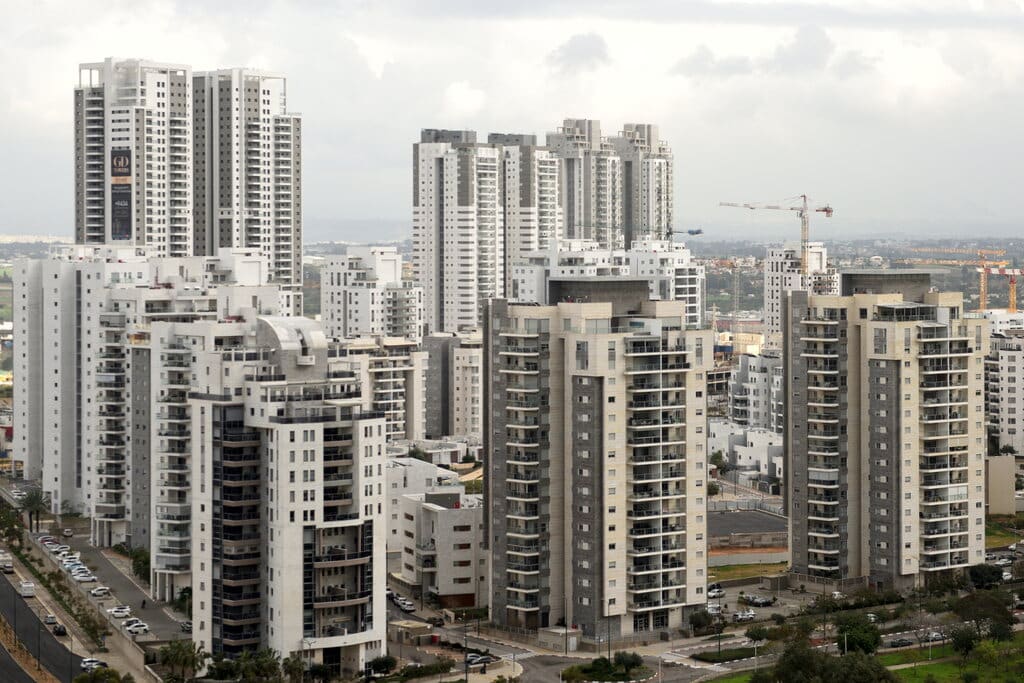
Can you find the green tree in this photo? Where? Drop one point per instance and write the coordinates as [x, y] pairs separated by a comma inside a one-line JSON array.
[[963, 640], [985, 575], [713, 489], [700, 620], [294, 667], [628, 662], [983, 609], [986, 653], [383, 664], [34, 505], [321, 672], [101, 675], [756, 633], [855, 633]]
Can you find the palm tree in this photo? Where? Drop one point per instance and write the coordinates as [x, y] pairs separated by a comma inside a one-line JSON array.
[[320, 672], [193, 658], [294, 667], [174, 656], [34, 503], [268, 665]]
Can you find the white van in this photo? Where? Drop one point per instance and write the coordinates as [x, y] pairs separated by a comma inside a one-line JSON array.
[[27, 589]]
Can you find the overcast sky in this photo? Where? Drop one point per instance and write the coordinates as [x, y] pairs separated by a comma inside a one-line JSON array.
[[906, 117]]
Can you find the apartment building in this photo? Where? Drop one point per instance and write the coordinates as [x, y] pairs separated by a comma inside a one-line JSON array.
[[668, 268], [591, 183], [287, 503], [394, 372], [756, 452], [595, 435], [364, 294], [476, 208], [411, 476], [884, 434], [247, 174], [647, 183], [442, 547], [78, 317], [783, 273], [756, 391], [189, 163], [454, 374], [133, 155], [1004, 376]]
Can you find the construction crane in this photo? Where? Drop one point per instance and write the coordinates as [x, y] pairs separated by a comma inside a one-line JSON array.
[[983, 267], [983, 261], [1012, 274], [804, 210]]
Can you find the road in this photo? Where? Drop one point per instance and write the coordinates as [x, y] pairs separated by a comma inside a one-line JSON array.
[[10, 670], [22, 614], [456, 633], [125, 591]]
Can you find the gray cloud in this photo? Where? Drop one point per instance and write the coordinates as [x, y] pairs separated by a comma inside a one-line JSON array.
[[582, 52], [809, 50], [702, 62]]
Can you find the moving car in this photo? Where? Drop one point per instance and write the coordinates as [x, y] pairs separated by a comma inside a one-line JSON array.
[[59, 630], [7, 568], [186, 627], [901, 642], [88, 664], [50, 620], [27, 589], [933, 637]]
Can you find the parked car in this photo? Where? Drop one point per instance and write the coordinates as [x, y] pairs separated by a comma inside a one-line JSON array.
[[713, 586], [186, 627], [934, 637], [120, 612], [59, 630], [46, 539], [901, 642], [838, 595], [88, 664], [714, 608], [744, 615], [435, 621], [716, 593], [872, 617], [138, 629], [1007, 576], [100, 592], [67, 533], [84, 578]]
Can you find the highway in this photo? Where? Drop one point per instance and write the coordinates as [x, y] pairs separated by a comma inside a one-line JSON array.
[[23, 615]]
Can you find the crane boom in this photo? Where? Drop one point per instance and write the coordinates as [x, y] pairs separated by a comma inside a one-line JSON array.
[[804, 210], [1011, 291]]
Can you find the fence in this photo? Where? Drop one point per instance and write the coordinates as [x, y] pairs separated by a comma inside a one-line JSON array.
[[747, 504]]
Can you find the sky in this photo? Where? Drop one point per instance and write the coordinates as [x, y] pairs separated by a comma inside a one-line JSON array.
[[904, 116]]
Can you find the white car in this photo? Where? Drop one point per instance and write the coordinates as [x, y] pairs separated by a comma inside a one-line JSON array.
[[84, 578], [138, 629], [120, 612], [1007, 576], [88, 664], [1003, 562], [716, 593], [130, 622], [100, 592], [714, 608]]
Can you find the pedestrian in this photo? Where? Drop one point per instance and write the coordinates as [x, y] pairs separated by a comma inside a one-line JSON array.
[[143, 604]]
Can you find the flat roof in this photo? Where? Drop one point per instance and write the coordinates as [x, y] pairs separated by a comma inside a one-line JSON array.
[[744, 522]]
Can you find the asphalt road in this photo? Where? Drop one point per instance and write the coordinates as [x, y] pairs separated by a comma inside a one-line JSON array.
[[10, 670], [458, 634], [125, 592], [23, 614]]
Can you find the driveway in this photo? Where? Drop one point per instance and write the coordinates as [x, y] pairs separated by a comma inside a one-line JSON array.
[[125, 591]]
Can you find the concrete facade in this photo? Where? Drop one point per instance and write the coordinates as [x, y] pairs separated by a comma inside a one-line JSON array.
[[288, 516], [1000, 480], [454, 367], [1004, 407], [597, 468], [783, 274], [884, 437], [442, 547], [364, 293], [410, 476], [756, 392]]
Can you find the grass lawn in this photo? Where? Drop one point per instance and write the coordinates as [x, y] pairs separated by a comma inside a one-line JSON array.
[[998, 537], [741, 677], [943, 672], [907, 656], [745, 571]]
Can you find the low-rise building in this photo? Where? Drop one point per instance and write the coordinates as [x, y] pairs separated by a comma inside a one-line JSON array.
[[442, 547], [755, 451], [446, 452]]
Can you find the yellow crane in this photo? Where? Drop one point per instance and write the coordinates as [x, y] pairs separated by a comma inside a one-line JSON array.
[[1011, 290], [983, 262], [983, 267], [803, 209]]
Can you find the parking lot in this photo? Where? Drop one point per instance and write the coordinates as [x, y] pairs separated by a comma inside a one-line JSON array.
[[786, 602]]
